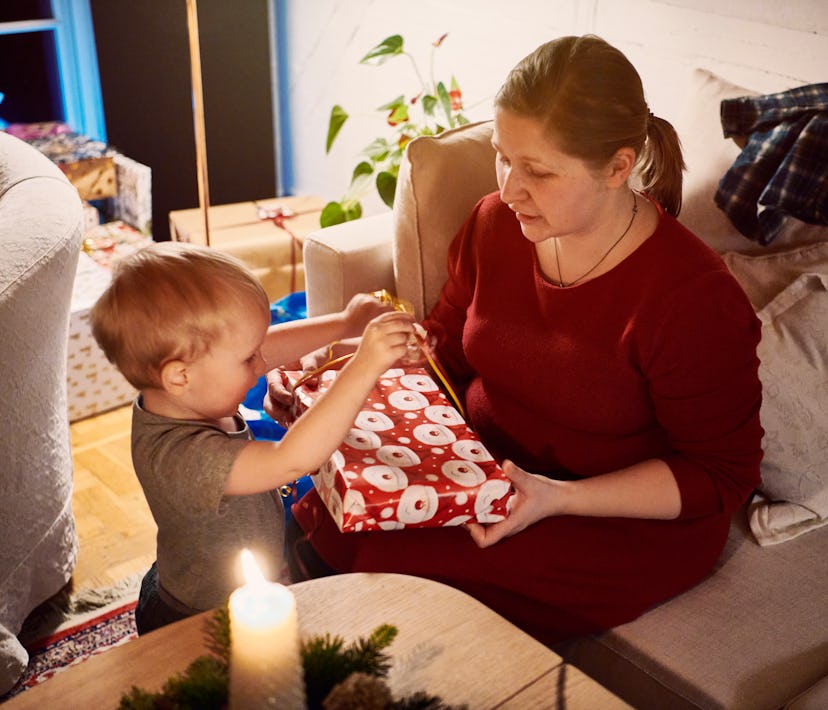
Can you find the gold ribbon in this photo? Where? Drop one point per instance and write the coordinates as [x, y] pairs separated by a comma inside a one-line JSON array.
[[398, 304]]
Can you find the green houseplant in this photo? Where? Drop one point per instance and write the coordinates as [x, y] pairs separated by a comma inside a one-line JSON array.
[[432, 110]]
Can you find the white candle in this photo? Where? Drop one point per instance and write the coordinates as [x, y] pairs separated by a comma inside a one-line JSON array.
[[265, 660]]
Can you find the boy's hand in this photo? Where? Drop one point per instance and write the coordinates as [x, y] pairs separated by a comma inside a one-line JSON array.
[[361, 309], [385, 340]]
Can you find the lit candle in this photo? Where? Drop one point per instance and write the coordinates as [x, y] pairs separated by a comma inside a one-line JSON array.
[[265, 661]]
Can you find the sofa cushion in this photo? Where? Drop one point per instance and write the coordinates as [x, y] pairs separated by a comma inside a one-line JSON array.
[[749, 637], [439, 183], [788, 290]]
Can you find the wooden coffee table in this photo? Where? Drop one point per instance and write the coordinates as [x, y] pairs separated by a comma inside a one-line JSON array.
[[448, 644]]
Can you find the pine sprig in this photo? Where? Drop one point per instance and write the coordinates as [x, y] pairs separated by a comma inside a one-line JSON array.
[[217, 633], [327, 661]]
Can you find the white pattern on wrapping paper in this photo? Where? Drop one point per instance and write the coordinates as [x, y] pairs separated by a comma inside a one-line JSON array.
[[362, 440], [407, 400], [443, 414], [434, 434], [417, 504], [471, 450], [386, 478], [463, 473], [397, 456], [418, 383], [492, 490], [330, 467], [373, 421]]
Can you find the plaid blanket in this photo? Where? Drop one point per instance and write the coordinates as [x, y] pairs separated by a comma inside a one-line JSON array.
[[783, 168]]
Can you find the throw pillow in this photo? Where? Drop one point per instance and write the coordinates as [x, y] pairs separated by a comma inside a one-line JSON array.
[[794, 373], [441, 179]]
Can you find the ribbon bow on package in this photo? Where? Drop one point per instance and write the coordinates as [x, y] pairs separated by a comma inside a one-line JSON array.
[[410, 459]]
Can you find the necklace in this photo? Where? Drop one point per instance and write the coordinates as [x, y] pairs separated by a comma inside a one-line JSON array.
[[600, 261]]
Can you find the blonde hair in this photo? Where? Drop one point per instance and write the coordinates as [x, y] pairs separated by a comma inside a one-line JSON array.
[[589, 97], [171, 301]]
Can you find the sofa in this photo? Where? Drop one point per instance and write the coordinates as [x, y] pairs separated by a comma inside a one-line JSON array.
[[40, 238], [753, 635]]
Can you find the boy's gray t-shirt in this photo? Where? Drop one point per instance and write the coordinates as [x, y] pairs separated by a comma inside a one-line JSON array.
[[182, 467]]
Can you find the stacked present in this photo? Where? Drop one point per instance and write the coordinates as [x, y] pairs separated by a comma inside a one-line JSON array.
[[410, 459], [93, 383], [88, 163]]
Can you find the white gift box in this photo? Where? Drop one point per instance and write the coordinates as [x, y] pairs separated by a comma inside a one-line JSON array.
[[94, 384]]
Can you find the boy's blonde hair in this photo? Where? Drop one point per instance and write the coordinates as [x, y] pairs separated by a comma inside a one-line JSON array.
[[171, 301]]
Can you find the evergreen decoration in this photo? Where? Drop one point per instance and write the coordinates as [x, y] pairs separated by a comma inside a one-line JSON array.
[[337, 676]]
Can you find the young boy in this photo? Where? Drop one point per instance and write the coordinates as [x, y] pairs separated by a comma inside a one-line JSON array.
[[188, 327]]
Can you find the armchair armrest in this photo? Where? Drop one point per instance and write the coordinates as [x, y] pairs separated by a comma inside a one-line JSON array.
[[348, 258]]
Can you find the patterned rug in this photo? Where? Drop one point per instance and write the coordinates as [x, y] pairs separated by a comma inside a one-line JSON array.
[[72, 627]]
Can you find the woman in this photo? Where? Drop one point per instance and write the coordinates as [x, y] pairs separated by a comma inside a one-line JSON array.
[[600, 346]]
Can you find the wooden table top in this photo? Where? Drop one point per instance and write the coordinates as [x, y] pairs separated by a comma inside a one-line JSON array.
[[448, 644]]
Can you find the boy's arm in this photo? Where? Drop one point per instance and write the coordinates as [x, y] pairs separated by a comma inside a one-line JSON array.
[[287, 342], [309, 443]]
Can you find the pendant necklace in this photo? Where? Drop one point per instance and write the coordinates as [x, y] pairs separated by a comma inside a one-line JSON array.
[[561, 284]]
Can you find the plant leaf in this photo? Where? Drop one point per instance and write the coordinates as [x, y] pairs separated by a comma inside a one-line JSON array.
[[332, 213], [386, 187], [445, 101], [393, 104], [337, 120], [377, 149], [429, 103], [386, 49], [353, 210]]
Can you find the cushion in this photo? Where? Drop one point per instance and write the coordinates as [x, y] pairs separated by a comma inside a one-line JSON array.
[[708, 155], [794, 373], [788, 290], [440, 181]]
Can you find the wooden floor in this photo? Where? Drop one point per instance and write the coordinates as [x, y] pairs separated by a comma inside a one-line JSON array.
[[115, 527]]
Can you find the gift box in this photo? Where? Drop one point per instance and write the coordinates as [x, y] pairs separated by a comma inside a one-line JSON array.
[[133, 203], [93, 383], [265, 235], [409, 461], [88, 163], [106, 243]]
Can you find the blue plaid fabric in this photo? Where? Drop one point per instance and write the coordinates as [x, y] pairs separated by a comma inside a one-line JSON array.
[[783, 169]]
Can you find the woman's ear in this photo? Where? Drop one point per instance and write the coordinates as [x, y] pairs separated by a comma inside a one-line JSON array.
[[620, 167], [174, 377]]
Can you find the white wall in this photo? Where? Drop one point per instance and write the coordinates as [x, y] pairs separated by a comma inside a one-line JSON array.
[[765, 45]]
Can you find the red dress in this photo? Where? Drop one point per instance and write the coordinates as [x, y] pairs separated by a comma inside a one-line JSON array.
[[654, 359]]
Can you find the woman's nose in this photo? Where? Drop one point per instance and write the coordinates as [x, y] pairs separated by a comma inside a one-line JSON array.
[[510, 187]]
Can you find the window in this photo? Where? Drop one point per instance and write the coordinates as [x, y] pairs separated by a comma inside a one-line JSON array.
[[48, 65]]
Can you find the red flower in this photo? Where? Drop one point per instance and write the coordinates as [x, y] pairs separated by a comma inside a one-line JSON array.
[[456, 97]]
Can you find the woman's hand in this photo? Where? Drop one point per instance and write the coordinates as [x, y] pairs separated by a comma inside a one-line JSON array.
[[534, 499], [278, 400]]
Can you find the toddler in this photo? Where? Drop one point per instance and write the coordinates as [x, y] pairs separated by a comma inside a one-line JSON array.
[[188, 327]]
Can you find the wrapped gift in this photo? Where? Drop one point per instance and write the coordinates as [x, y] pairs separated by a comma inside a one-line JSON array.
[[111, 241], [94, 384], [87, 163], [410, 460]]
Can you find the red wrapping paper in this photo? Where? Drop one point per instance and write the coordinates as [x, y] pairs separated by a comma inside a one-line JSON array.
[[409, 461]]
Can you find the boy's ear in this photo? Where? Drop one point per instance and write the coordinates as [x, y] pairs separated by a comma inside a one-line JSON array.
[[174, 376]]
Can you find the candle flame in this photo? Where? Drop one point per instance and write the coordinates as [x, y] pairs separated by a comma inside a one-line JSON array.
[[252, 571]]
